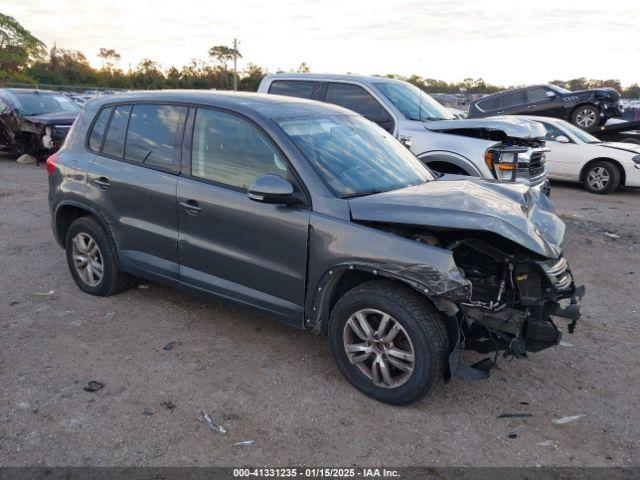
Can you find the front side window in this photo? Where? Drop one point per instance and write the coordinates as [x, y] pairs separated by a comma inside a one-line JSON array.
[[553, 132], [292, 88], [413, 102], [228, 149], [536, 95], [354, 157], [152, 137], [97, 132], [114, 141]]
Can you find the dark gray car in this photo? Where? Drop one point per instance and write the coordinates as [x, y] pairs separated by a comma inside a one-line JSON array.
[[313, 215]]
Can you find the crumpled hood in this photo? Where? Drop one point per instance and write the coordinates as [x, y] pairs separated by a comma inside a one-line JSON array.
[[511, 126], [57, 118], [515, 212], [602, 91], [627, 147]]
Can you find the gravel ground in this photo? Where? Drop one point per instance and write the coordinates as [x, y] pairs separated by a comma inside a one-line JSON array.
[[278, 386]]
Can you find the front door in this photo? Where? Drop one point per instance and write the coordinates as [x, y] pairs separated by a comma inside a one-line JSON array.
[[231, 246], [563, 159]]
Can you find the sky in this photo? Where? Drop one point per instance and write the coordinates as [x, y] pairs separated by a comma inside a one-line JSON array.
[[507, 42]]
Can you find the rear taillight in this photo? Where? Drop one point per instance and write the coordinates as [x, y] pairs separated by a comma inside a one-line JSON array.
[[51, 163]]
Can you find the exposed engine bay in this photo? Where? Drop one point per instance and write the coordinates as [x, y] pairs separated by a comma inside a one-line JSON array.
[[514, 293]]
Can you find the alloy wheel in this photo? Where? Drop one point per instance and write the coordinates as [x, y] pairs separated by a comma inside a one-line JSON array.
[[87, 259], [598, 178], [379, 347], [586, 118]]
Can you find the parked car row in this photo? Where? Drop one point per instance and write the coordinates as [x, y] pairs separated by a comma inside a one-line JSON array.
[[309, 213]]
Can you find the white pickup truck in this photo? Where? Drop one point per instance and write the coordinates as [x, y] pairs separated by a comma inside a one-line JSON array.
[[506, 149]]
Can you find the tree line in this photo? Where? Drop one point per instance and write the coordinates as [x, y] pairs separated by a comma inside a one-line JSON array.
[[24, 59]]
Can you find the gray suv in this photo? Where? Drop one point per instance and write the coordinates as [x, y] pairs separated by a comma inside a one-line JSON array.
[[311, 214]]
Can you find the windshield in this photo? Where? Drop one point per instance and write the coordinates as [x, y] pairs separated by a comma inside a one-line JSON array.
[[38, 103], [353, 156], [413, 102], [581, 134]]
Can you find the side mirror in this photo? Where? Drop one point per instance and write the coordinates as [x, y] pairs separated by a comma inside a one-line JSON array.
[[272, 189], [550, 95], [405, 140], [562, 139]]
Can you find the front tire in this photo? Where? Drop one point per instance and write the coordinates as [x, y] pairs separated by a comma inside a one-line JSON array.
[[585, 116], [601, 177], [388, 341], [92, 259]]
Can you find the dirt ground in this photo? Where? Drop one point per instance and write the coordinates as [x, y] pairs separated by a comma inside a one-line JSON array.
[[278, 386]]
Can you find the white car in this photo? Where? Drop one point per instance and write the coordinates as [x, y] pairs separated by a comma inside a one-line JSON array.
[[509, 150], [577, 156]]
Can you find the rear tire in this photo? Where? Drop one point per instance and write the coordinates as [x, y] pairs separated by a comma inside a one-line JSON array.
[[601, 177], [92, 259], [420, 331]]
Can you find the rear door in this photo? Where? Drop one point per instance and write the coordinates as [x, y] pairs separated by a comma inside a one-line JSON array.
[[231, 246], [511, 103], [356, 98], [133, 181]]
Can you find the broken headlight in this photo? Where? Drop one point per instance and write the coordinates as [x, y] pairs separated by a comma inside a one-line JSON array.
[[503, 164]]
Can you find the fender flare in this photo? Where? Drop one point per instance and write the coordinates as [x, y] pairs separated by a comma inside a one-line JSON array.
[[93, 211], [319, 314], [452, 158]]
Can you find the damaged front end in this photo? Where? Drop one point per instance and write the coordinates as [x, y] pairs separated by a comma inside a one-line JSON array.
[[515, 298], [506, 243]]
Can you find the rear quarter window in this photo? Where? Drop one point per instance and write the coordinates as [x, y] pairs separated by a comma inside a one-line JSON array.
[[114, 141], [99, 127], [292, 88], [488, 104]]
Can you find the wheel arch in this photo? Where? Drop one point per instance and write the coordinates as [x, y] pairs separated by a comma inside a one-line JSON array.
[[345, 277], [450, 158], [616, 163], [68, 211]]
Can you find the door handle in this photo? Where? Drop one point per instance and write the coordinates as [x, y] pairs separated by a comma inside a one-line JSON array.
[[191, 206], [102, 183], [530, 107], [500, 111]]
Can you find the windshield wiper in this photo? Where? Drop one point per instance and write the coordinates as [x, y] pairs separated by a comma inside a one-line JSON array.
[[363, 194]]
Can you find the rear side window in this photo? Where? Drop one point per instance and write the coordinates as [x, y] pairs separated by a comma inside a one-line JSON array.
[[114, 141], [355, 98], [488, 104], [230, 150], [99, 127], [511, 99], [292, 88], [152, 137]]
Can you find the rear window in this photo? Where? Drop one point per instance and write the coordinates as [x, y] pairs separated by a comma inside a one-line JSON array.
[[488, 104], [292, 88], [97, 132], [152, 137], [114, 141]]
